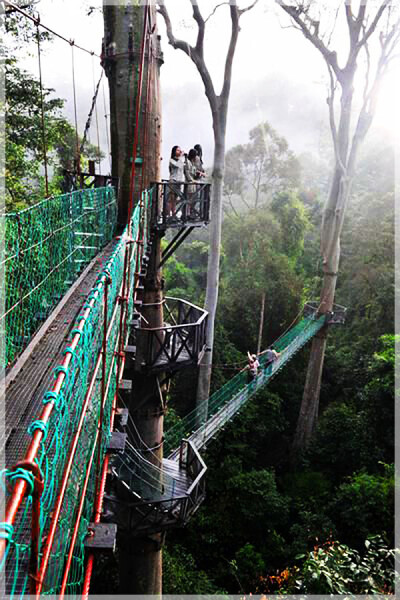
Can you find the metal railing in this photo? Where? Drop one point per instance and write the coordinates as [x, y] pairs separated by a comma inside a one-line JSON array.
[[337, 316], [157, 509], [180, 204], [180, 341]]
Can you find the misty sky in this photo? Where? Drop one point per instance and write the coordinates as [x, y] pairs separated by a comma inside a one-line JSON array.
[[278, 76]]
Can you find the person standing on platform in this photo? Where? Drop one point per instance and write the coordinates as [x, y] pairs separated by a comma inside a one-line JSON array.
[[176, 179]]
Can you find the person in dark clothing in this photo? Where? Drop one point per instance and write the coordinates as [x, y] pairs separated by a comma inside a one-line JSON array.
[[198, 162]]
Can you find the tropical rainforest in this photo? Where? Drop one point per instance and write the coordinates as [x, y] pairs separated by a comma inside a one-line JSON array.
[[321, 521]]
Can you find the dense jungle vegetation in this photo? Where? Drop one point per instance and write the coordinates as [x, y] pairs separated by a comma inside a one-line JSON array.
[[322, 522]]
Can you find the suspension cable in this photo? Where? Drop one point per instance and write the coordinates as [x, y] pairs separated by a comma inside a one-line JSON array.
[[37, 22], [95, 109], [78, 158], [44, 141]]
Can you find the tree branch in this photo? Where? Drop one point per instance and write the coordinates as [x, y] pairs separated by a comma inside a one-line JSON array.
[[329, 56], [198, 17], [215, 10], [374, 23], [176, 43], [332, 123], [243, 10], [231, 51], [195, 54]]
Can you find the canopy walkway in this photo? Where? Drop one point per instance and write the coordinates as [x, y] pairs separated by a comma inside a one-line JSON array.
[[64, 410]]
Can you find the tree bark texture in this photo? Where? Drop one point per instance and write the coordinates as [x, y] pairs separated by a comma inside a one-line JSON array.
[[123, 28]]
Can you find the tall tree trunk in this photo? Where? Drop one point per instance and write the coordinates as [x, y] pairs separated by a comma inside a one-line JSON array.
[[140, 558], [123, 27], [330, 248], [211, 300], [260, 329]]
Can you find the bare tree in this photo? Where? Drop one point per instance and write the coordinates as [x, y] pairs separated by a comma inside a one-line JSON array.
[[349, 128], [219, 110]]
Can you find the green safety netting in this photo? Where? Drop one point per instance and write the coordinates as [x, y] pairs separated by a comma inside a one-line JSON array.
[[46, 247], [59, 432], [225, 402]]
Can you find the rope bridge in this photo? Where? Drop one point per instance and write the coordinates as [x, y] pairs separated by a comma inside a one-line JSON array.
[[69, 438], [47, 246], [222, 406]]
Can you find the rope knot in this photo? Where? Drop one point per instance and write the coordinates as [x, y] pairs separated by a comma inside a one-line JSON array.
[[39, 425], [6, 532]]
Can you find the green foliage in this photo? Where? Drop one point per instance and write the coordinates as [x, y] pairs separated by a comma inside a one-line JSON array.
[[24, 180], [181, 574], [334, 568], [248, 566], [364, 505], [263, 167], [254, 521], [291, 214]]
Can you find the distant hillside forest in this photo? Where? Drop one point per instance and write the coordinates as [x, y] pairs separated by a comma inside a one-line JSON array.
[[323, 523]]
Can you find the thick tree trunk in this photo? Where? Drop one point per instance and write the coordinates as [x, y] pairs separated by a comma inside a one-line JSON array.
[[211, 301], [140, 558], [330, 249], [123, 26]]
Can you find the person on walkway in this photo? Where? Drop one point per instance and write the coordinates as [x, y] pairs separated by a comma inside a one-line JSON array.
[[176, 178], [271, 355], [252, 366], [198, 163], [190, 178]]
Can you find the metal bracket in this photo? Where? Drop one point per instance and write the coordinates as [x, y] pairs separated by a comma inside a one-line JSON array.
[[102, 537], [117, 442]]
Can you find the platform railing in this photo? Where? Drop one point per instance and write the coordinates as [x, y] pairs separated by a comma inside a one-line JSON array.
[[155, 510], [180, 204], [181, 339], [337, 316]]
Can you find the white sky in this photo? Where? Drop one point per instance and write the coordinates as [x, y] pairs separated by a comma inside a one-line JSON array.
[[278, 76]]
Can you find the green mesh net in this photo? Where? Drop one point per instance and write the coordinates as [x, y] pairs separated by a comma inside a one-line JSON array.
[[225, 402], [46, 248]]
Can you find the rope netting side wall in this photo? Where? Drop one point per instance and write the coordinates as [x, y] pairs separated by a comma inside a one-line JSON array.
[[225, 402], [46, 247], [75, 434]]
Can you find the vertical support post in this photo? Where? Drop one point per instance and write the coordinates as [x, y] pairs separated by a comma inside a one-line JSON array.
[[260, 329]]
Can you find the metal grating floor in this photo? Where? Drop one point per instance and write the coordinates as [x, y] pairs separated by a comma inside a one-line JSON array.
[[24, 393]]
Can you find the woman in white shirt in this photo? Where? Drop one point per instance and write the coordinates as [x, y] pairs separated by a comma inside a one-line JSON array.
[[176, 178]]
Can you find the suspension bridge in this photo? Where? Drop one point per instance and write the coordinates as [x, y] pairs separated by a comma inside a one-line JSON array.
[[81, 343]]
